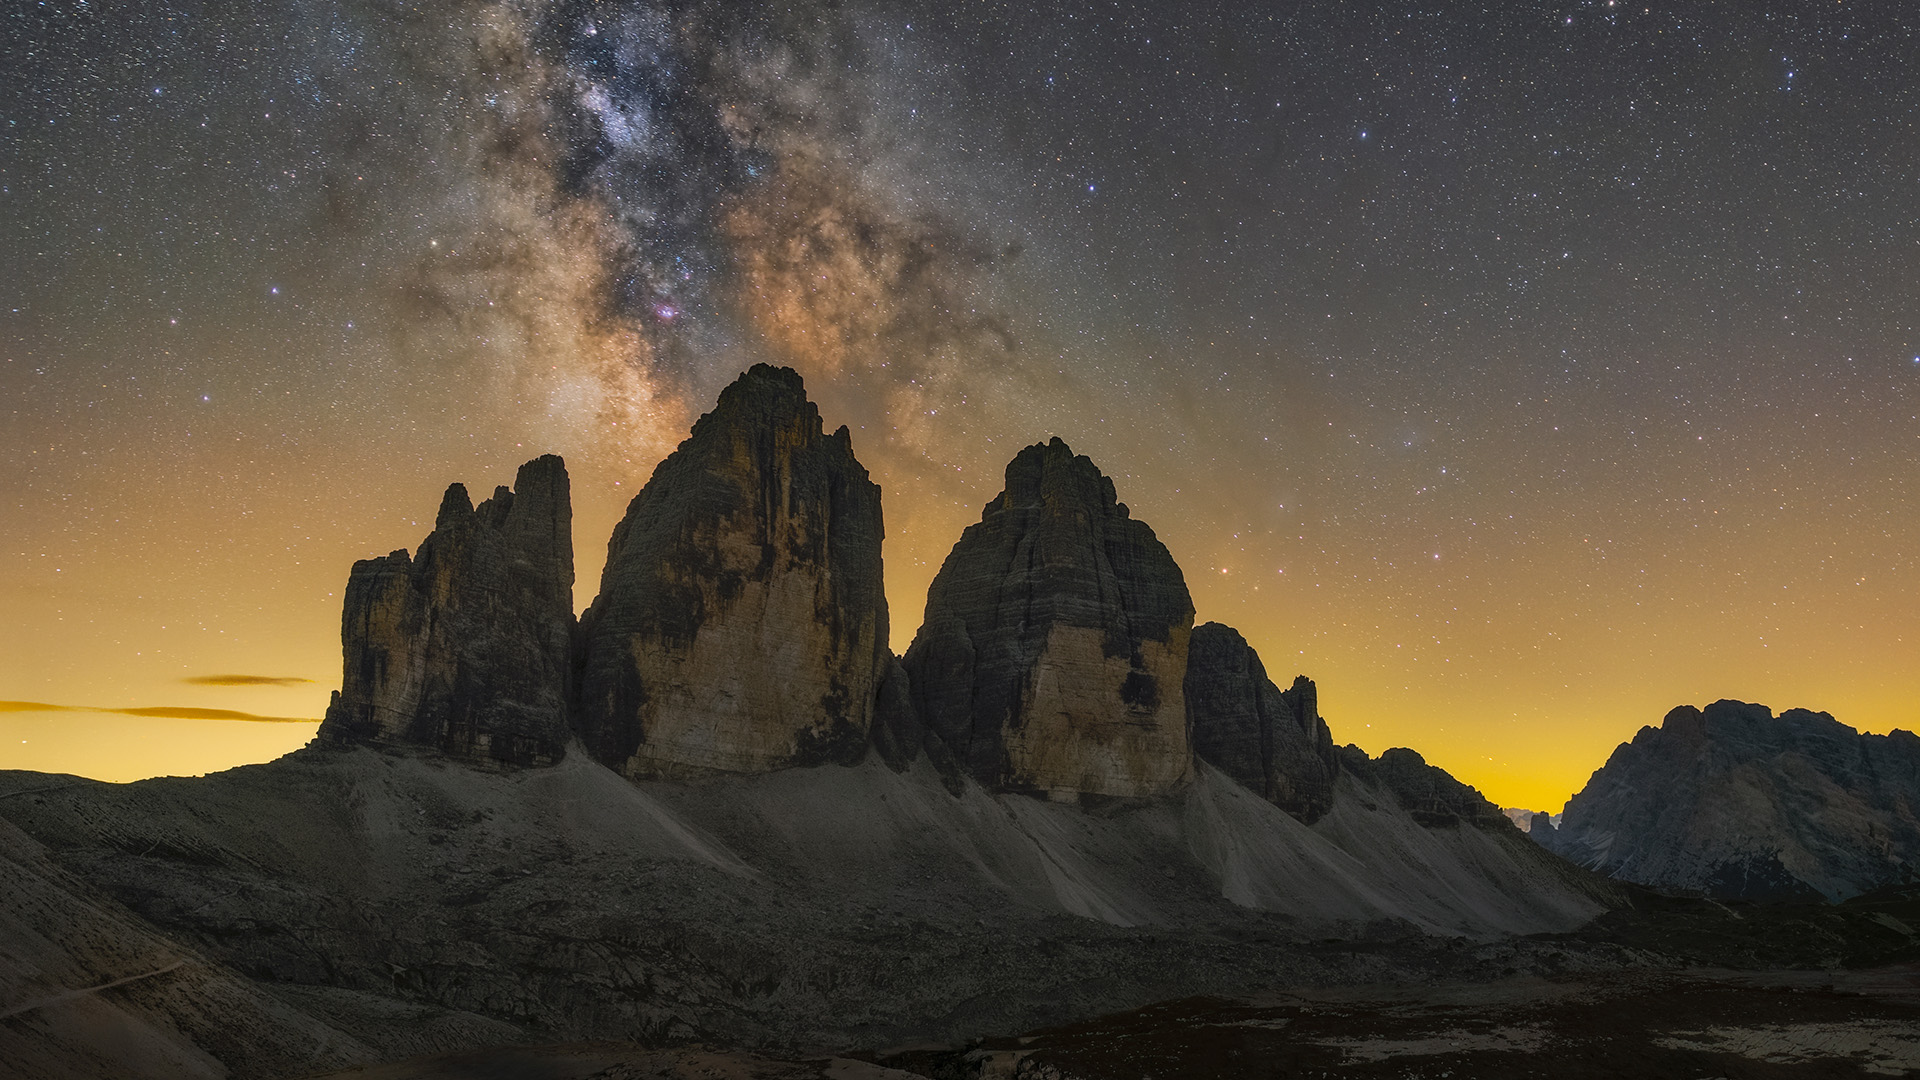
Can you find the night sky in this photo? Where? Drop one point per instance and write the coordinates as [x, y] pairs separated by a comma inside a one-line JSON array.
[[1517, 371]]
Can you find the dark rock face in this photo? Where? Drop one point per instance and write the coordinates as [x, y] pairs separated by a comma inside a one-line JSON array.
[[1272, 741], [741, 624], [1735, 802], [465, 648], [1428, 792], [898, 734], [1053, 655]]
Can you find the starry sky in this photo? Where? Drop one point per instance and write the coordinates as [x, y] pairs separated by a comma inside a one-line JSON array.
[[1517, 371]]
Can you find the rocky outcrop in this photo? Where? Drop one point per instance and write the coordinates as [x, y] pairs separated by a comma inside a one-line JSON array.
[[1054, 651], [1535, 823], [741, 624], [1272, 741], [898, 734], [1275, 743], [1428, 792], [164, 1006], [1735, 802], [464, 647]]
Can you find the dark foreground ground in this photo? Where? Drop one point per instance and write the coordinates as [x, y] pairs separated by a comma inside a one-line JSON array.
[[1698, 1024], [333, 910], [1693, 1024], [1731, 991]]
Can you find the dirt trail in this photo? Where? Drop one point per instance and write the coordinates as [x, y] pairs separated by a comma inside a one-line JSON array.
[[70, 995]]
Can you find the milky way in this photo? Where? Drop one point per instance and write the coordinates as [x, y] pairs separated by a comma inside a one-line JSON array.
[[644, 199], [1517, 371]]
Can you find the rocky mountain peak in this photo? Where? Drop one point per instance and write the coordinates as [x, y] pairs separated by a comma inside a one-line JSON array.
[[1272, 741], [456, 507], [466, 648], [1051, 473], [763, 395], [1054, 648], [1734, 801], [741, 624]]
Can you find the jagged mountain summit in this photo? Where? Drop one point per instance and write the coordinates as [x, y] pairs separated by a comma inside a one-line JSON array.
[[741, 626], [741, 623], [717, 808], [1427, 792], [1054, 650], [1274, 743], [1271, 741], [1524, 819], [465, 648], [1733, 801]]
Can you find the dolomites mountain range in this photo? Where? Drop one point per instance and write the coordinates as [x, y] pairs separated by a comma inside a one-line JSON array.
[[1733, 801], [717, 808], [1271, 741], [741, 627]]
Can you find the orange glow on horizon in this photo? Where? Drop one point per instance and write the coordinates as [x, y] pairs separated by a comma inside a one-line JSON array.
[[1516, 664]]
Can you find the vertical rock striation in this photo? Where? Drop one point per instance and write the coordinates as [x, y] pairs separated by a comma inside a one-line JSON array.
[[1272, 741], [1054, 649], [465, 648], [741, 624]]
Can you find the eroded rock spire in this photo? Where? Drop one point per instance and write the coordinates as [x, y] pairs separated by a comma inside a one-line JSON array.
[[1055, 643], [465, 647], [741, 624]]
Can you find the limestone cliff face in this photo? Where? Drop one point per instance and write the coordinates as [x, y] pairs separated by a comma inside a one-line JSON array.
[[741, 624], [465, 647], [1272, 741], [1054, 649], [1733, 801]]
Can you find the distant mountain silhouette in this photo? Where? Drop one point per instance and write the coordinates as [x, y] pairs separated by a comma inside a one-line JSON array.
[[1734, 802]]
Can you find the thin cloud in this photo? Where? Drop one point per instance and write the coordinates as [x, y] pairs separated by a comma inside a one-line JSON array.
[[164, 712], [184, 712], [245, 680]]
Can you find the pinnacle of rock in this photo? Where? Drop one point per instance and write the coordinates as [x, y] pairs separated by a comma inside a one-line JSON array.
[[1272, 741], [465, 647], [741, 624], [1054, 649]]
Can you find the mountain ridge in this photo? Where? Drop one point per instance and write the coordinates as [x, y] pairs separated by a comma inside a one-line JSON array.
[[1732, 801], [718, 808]]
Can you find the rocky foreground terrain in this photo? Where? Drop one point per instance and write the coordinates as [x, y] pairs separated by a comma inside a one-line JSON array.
[[717, 811], [340, 907], [1735, 802]]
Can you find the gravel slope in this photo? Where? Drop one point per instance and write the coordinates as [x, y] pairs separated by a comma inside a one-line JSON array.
[[400, 904]]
